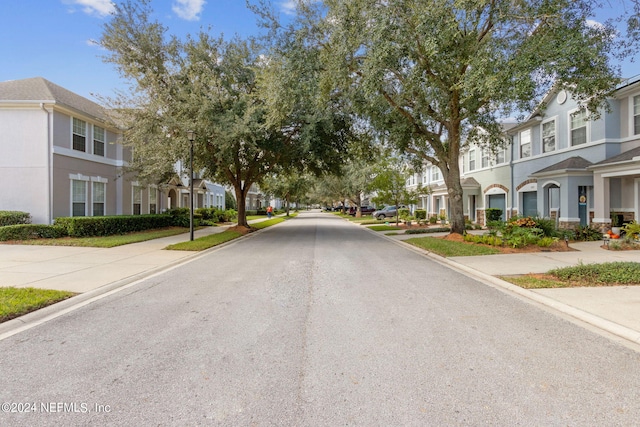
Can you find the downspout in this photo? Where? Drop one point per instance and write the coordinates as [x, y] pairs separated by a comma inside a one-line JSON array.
[[512, 179], [49, 166]]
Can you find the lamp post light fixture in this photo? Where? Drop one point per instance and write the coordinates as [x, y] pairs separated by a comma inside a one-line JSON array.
[[191, 135]]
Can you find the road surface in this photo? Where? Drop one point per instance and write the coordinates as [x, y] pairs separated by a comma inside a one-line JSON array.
[[315, 322]]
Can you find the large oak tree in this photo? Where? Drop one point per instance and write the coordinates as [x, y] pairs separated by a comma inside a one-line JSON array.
[[434, 75]]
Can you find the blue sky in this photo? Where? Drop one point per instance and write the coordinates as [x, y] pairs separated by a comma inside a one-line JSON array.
[[52, 38]]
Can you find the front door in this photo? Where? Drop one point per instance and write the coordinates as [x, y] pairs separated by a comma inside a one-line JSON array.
[[498, 201]]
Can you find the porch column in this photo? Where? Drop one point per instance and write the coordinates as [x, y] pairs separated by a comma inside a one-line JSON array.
[[601, 203]]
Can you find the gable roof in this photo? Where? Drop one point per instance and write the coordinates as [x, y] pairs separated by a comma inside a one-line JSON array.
[[38, 89], [575, 163], [622, 157]]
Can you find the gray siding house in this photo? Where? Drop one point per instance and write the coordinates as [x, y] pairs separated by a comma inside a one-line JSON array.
[[60, 157]]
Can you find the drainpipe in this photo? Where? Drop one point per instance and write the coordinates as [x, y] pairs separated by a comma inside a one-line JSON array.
[[49, 166], [512, 177]]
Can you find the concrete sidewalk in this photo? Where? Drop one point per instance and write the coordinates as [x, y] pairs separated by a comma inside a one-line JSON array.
[[79, 269]]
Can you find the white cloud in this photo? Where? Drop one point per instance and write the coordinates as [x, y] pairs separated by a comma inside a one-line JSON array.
[[188, 9], [94, 7], [288, 7]]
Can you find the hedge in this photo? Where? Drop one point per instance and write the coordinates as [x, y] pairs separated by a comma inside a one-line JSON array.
[[14, 218], [31, 231], [85, 226]]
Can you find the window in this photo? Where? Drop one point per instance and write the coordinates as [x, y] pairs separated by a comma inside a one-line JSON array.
[[98, 196], [78, 198], [79, 135], [435, 173], [424, 177], [549, 136], [636, 115], [153, 200], [484, 154], [501, 156], [525, 144], [137, 199], [98, 141], [472, 160], [578, 128]]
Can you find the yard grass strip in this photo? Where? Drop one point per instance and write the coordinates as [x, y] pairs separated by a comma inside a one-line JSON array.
[[582, 275], [384, 228], [15, 302], [448, 248], [205, 242]]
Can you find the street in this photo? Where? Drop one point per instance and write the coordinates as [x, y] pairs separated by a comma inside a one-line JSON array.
[[315, 322]]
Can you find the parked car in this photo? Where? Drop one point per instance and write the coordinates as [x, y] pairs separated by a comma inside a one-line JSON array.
[[366, 210], [386, 212]]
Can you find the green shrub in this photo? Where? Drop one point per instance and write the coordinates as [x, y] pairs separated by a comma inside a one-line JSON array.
[[404, 213], [427, 230], [31, 231], [119, 224], [433, 219], [493, 214], [586, 234], [421, 214], [546, 241], [14, 218], [632, 229], [604, 273]]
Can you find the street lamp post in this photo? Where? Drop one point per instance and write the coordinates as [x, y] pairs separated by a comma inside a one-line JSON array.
[[191, 135]]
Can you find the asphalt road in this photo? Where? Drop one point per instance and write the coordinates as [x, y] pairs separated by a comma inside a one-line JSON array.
[[315, 322]]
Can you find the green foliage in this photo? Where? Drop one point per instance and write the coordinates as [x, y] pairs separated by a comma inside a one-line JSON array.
[[404, 213], [428, 230], [14, 218], [31, 231], [230, 201], [585, 234], [493, 215], [119, 224], [486, 239], [632, 229], [609, 273], [383, 228], [546, 241], [214, 215], [421, 214], [205, 242], [433, 219]]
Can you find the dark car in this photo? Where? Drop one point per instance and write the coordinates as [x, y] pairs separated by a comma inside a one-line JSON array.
[[366, 210], [386, 212]]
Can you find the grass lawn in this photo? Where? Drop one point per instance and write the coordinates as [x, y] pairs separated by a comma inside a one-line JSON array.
[[15, 302], [107, 241], [384, 228], [205, 242], [449, 248], [212, 240], [604, 274]]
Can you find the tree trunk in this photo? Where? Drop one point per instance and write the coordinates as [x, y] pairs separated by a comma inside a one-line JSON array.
[[241, 198], [456, 216]]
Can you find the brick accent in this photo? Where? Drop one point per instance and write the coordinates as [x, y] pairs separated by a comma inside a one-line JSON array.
[[528, 181], [506, 190]]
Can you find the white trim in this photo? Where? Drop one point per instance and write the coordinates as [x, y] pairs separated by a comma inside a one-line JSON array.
[[567, 219], [495, 190], [621, 173], [631, 115], [79, 177], [532, 186], [99, 179], [68, 152]]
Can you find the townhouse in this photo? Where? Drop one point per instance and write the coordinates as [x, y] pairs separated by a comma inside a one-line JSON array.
[[558, 163], [59, 156]]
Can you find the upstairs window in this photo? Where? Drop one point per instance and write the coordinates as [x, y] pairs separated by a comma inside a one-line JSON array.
[[472, 160], [484, 158], [79, 135], [549, 136], [525, 144], [98, 141], [435, 174], [501, 156], [578, 128]]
